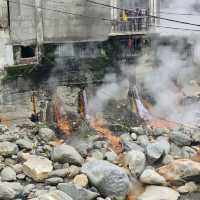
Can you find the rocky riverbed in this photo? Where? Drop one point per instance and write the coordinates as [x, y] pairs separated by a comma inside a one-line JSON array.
[[155, 164]]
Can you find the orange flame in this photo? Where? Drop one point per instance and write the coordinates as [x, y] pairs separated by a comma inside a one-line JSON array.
[[158, 123], [131, 197], [99, 126], [161, 123], [62, 121]]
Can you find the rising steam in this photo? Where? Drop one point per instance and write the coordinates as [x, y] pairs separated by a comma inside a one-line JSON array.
[[173, 70]]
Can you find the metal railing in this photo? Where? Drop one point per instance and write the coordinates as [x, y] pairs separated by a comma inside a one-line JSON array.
[[134, 24]]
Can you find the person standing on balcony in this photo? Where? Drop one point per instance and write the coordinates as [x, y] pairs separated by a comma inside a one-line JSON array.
[[134, 20], [137, 19], [125, 20], [131, 14], [147, 19], [121, 20], [140, 17]]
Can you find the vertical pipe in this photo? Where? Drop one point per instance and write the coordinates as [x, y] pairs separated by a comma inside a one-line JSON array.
[[8, 15], [114, 10], [39, 27], [114, 14], [154, 10]]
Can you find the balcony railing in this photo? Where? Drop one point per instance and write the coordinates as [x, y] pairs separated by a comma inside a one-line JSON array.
[[129, 22], [133, 25]]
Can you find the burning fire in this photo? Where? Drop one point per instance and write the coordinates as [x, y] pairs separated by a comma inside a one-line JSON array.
[[155, 122], [62, 121], [99, 126], [98, 123], [161, 123]]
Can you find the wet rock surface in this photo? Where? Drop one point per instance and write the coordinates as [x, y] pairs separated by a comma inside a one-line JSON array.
[[36, 164]]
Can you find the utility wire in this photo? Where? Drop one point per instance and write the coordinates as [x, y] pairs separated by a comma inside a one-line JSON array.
[[174, 13], [104, 19], [63, 12], [152, 16], [174, 28], [97, 18]]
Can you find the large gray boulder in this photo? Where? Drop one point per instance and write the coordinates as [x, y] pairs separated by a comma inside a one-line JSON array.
[[47, 134], [159, 193], [54, 195], [66, 154], [24, 144], [180, 138], [10, 190], [110, 180], [135, 161], [8, 174], [155, 151], [8, 149], [77, 192]]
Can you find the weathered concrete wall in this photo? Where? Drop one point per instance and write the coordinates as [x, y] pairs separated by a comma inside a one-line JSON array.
[[6, 51], [54, 24], [64, 27], [6, 55], [22, 21]]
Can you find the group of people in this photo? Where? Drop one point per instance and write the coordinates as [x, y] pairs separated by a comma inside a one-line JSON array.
[[133, 20]]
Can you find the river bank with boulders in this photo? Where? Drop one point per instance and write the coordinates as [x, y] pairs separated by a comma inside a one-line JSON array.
[[156, 164]]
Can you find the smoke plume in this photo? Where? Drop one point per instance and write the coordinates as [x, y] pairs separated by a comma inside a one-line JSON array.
[[169, 72]]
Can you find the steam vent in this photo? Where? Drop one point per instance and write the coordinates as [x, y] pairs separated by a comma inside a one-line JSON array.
[[99, 100]]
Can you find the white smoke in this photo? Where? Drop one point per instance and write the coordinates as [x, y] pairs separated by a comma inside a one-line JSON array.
[[176, 67], [169, 83], [176, 10], [111, 89]]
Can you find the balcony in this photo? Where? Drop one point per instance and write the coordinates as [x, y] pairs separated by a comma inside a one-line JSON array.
[[136, 22]]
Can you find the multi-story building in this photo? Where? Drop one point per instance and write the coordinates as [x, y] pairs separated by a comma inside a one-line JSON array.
[[71, 25], [68, 32]]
